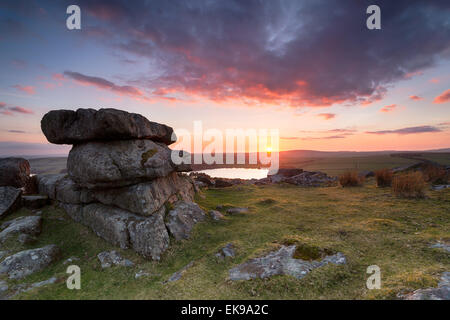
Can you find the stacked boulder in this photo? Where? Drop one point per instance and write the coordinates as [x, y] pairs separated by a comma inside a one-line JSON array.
[[15, 180], [121, 181]]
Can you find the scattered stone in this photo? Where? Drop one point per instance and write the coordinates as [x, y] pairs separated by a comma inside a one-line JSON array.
[[110, 258], [216, 215], [237, 210], [182, 218], [226, 252], [440, 187], [73, 127], [119, 163], [14, 172], [284, 173], [70, 260], [440, 245], [141, 274], [442, 292], [52, 280], [281, 262], [9, 200], [311, 179], [222, 183], [35, 201], [30, 226], [177, 275], [30, 261]]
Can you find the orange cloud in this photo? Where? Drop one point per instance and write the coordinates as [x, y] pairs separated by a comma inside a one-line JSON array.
[[327, 116], [444, 97], [416, 98], [434, 80], [388, 108]]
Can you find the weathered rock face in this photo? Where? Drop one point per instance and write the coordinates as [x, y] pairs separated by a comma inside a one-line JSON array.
[[118, 163], [30, 225], [182, 218], [10, 200], [27, 262], [73, 127], [14, 172], [281, 262], [147, 197], [143, 198], [47, 184], [147, 236]]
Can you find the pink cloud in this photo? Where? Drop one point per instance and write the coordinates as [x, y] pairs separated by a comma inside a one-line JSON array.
[[327, 116], [388, 108], [6, 113], [434, 80], [2, 105], [444, 97], [21, 110], [26, 89], [58, 76], [416, 98]]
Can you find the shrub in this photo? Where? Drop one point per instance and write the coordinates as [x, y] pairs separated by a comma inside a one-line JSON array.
[[351, 179], [383, 177], [409, 185], [435, 175]]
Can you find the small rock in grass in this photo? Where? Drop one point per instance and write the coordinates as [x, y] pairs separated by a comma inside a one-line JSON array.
[[177, 275], [70, 260], [440, 245], [442, 292], [30, 225], [140, 274], [281, 262], [30, 261], [226, 252], [237, 210], [110, 258], [216, 215]]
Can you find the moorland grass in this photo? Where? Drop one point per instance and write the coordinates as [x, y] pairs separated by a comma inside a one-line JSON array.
[[368, 224]]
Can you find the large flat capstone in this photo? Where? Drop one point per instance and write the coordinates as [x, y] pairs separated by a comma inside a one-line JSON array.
[[72, 127]]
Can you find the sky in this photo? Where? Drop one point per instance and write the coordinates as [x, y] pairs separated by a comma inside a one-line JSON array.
[[311, 69]]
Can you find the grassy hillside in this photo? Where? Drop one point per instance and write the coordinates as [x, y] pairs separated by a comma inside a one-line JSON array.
[[367, 224]]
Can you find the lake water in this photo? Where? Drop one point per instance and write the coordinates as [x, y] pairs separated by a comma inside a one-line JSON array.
[[234, 173]]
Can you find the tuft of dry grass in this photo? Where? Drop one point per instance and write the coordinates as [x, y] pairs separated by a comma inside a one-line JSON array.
[[383, 177], [351, 179], [409, 185]]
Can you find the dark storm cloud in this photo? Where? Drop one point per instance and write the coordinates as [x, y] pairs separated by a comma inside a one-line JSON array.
[[301, 53], [409, 130], [103, 84]]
